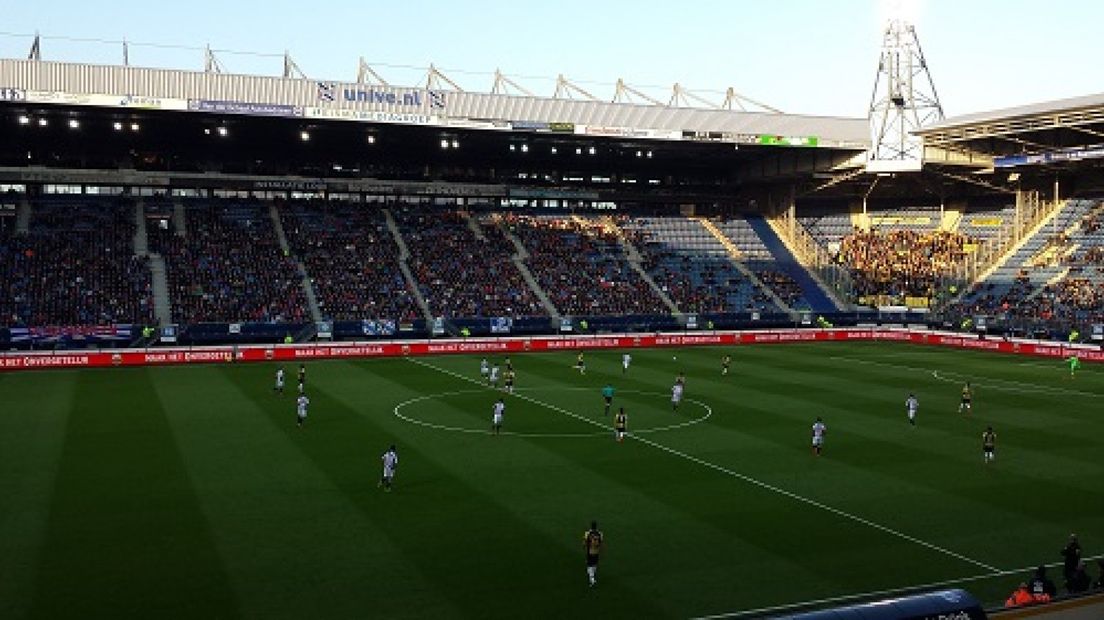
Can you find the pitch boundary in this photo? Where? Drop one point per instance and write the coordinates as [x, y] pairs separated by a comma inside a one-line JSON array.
[[844, 598], [743, 477]]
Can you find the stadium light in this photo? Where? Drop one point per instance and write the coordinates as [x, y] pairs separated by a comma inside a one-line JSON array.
[[371, 138], [43, 122], [455, 143], [640, 153], [524, 148], [74, 123], [592, 150], [513, 147], [649, 154], [117, 125], [444, 143], [554, 150], [135, 126], [223, 132], [24, 119], [207, 131], [578, 150], [304, 136]]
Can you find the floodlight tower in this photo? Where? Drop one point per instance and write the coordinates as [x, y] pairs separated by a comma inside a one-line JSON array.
[[904, 100]]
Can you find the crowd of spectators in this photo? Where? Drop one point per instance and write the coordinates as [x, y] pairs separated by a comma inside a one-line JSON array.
[[905, 263], [783, 285], [74, 266], [352, 260], [462, 273], [230, 268], [696, 284], [580, 265]]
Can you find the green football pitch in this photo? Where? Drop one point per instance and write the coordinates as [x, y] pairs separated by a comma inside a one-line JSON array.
[[190, 492]]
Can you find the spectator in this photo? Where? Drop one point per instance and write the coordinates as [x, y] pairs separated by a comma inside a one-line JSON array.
[[1020, 596], [464, 268], [1099, 585], [1042, 588], [1078, 581], [1071, 556]]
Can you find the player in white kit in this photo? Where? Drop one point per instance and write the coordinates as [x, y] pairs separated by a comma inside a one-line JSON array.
[[301, 405], [390, 461], [676, 395], [492, 379], [819, 430], [484, 368], [497, 416], [911, 406], [279, 387], [626, 359]]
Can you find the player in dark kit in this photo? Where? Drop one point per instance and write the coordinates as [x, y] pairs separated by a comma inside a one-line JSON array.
[[592, 543], [620, 424], [967, 397], [726, 363], [989, 445]]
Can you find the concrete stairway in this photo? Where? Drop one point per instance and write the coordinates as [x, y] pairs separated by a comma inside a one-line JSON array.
[[474, 226], [23, 217], [159, 278], [736, 258], [305, 281], [816, 292], [180, 219], [141, 237], [162, 307], [404, 255], [519, 258], [636, 261]]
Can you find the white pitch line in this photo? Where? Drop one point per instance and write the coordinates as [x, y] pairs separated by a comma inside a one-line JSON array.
[[875, 593], [739, 476], [1003, 385], [479, 431]]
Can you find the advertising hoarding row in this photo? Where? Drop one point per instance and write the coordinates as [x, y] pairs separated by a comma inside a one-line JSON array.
[[296, 353]]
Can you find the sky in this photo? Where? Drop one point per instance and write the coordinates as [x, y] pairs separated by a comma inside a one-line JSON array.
[[801, 56]]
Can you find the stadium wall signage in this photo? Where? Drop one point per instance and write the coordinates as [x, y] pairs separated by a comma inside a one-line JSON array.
[[293, 353]]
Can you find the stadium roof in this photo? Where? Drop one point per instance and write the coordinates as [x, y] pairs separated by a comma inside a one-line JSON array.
[[1076, 114], [127, 87]]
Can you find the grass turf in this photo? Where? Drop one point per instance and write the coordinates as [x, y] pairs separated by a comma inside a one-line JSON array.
[[189, 491]]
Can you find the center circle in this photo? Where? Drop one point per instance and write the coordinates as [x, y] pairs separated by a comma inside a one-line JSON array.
[[521, 393]]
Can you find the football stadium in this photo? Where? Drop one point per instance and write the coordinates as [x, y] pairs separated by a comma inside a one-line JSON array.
[[276, 346]]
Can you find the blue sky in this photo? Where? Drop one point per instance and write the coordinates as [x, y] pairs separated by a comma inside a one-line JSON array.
[[804, 56]]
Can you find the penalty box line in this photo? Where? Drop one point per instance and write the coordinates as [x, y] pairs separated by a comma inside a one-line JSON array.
[[735, 474]]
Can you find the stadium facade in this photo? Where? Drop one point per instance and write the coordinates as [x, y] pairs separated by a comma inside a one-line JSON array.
[[183, 136]]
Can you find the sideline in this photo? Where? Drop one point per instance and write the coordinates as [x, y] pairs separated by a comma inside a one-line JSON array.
[[844, 598]]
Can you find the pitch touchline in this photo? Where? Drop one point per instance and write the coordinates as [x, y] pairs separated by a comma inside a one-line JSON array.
[[737, 475], [875, 593]]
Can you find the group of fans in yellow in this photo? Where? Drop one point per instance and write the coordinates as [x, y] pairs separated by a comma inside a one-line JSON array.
[[492, 374]]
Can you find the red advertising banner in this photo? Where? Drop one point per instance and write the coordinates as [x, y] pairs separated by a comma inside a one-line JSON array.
[[300, 353]]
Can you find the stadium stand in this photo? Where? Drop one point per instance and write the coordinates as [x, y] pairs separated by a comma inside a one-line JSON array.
[[901, 262], [229, 266], [74, 266], [351, 259], [1050, 275], [462, 272], [692, 266], [579, 263], [760, 261]]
